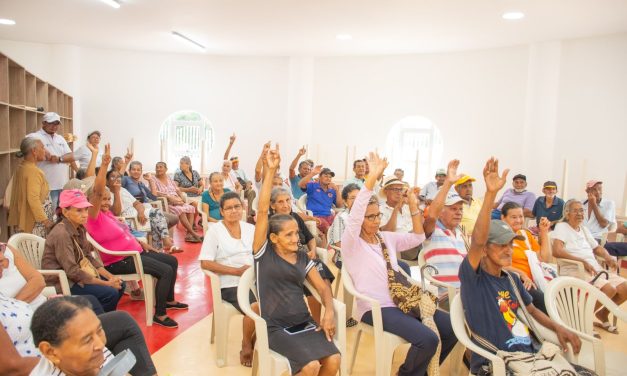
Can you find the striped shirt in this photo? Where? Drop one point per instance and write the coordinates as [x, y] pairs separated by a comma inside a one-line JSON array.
[[445, 250]]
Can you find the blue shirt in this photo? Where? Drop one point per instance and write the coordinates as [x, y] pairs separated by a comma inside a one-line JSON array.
[[490, 306], [138, 190], [320, 202], [296, 190], [214, 206], [553, 213]]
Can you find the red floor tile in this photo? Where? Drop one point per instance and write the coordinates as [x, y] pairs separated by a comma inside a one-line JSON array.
[[192, 287]]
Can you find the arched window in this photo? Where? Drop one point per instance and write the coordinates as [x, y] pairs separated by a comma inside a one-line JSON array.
[[415, 137], [186, 133]]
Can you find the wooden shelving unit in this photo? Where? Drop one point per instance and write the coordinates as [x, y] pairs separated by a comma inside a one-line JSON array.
[[21, 93]]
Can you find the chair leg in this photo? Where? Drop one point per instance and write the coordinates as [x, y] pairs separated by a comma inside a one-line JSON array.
[[222, 330], [255, 370], [338, 283], [213, 327], [456, 360], [348, 301], [354, 355], [149, 298]]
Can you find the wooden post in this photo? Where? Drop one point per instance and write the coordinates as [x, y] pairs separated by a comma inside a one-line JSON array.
[[318, 154], [132, 147], [354, 153], [625, 197], [416, 168], [584, 173], [163, 154], [565, 180], [346, 164], [202, 157], [307, 151]]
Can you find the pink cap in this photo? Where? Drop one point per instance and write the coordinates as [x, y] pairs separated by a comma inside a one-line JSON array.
[[73, 198], [592, 183]]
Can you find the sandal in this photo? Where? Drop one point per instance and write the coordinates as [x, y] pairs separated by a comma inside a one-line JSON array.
[[174, 249], [192, 239], [607, 326]]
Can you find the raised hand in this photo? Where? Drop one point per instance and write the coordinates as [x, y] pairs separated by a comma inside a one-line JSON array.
[[302, 151], [273, 157], [544, 225], [377, 164], [316, 170], [92, 148], [232, 139], [451, 172], [128, 156], [493, 181], [591, 197], [106, 157]]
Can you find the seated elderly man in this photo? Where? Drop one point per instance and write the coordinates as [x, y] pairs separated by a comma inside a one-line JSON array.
[[518, 194], [359, 168], [471, 206], [431, 189], [321, 196], [550, 206], [396, 215], [573, 240]]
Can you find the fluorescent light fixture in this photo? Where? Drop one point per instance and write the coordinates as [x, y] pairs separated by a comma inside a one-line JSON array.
[[6, 21], [343, 37], [188, 40], [513, 15], [112, 3]]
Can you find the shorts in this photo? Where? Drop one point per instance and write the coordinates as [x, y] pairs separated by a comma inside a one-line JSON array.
[[229, 294], [614, 280]]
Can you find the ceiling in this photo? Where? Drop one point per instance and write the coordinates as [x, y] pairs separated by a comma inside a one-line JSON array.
[[299, 27]]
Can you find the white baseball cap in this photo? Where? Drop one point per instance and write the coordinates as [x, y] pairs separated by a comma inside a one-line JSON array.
[[52, 117], [452, 199]]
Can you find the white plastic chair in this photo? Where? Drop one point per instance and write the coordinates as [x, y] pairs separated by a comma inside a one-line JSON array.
[[451, 290], [498, 366], [32, 248], [147, 280], [223, 312], [203, 216], [571, 302], [301, 204], [267, 362], [384, 343]]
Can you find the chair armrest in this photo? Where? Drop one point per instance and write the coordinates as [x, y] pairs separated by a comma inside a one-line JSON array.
[[60, 274], [322, 254], [139, 268]]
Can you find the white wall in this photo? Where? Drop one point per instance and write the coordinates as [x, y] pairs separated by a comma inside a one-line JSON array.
[[531, 106]]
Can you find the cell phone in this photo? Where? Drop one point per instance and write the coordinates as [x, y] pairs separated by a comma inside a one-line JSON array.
[[300, 328]]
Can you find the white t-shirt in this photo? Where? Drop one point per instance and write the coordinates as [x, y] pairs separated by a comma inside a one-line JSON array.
[[83, 155], [578, 243], [128, 210], [608, 210], [57, 174], [220, 247], [13, 281], [47, 368], [403, 219]]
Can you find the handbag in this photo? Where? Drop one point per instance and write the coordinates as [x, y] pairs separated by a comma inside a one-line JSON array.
[[547, 361], [84, 262]]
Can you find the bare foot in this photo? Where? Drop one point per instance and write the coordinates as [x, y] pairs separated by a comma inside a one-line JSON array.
[[246, 357]]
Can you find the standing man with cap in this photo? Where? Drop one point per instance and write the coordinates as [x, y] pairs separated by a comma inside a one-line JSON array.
[[518, 194], [83, 154], [431, 189], [549, 206], [58, 155], [321, 196], [471, 205]]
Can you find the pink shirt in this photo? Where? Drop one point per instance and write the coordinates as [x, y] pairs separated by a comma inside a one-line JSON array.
[[364, 262], [112, 235]]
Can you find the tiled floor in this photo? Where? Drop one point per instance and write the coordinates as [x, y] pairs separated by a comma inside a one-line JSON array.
[[187, 350]]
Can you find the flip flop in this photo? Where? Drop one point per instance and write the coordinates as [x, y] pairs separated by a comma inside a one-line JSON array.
[[175, 249], [607, 326]]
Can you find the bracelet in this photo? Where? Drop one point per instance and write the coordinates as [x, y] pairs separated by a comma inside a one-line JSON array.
[[415, 213]]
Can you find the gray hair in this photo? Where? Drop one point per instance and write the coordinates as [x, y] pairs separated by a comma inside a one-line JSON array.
[[276, 192], [134, 163], [26, 146], [566, 210], [186, 159]]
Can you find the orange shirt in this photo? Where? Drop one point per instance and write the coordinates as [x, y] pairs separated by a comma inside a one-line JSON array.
[[519, 258]]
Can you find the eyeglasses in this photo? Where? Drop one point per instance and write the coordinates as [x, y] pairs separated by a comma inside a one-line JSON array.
[[230, 208], [394, 189], [374, 217], [576, 211]]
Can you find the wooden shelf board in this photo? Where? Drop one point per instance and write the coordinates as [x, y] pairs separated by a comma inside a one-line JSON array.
[[9, 151]]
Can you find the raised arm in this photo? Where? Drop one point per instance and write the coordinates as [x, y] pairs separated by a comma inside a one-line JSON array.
[[260, 162], [34, 280], [270, 165], [99, 184], [493, 183], [306, 179], [545, 246], [228, 148], [91, 167], [594, 206], [299, 155], [438, 202]]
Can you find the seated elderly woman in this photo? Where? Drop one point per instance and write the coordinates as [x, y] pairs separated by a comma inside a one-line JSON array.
[[30, 209], [115, 236], [211, 197], [281, 203], [188, 180], [370, 257], [162, 186], [230, 179], [573, 241], [20, 356], [227, 251], [512, 214], [67, 248], [281, 272]]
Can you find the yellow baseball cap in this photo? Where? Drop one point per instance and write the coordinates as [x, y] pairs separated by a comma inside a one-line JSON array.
[[464, 179]]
